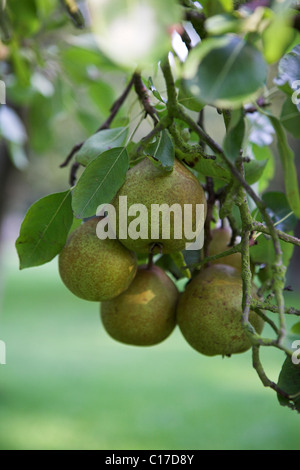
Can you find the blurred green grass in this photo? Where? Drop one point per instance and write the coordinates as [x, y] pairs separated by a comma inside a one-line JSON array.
[[67, 385]]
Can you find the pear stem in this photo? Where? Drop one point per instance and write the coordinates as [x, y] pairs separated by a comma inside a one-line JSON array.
[[150, 261]]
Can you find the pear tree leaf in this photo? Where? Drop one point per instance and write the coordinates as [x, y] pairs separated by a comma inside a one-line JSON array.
[[187, 99], [288, 165], [155, 92], [213, 169], [289, 381], [167, 263], [263, 251], [278, 36], [44, 230], [102, 95], [180, 262], [222, 24], [162, 152], [296, 329], [100, 181], [231, 71], [233, 141], [290, 118], [264, 154], [100, 142], [217, 7], [279, 210], [254, 170]]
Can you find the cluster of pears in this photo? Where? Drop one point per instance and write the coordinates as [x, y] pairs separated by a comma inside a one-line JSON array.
[[140, 304]]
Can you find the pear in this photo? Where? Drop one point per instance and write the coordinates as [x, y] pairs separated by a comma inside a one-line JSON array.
[[95, 269], [209, 312], [147, 184], [145, 314], [220, 242]]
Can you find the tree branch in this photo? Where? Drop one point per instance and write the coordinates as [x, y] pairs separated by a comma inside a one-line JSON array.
[[259, 227], [113, 111], [144, 98]]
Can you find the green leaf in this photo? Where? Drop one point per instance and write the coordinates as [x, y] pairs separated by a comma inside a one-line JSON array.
[[289, 382], [26, 22], [231, 72], [278, 208], [233, 141], [167, 263], [288, 165], [278, 36], [44, 229], [100, 142], [100, 181], [263, 252], [162, 152], [216, 7], [213, 169], [262, 154], [254, 170], [222, 24], [78, 61], [5, 26], [181, 263], [154, 91], [39, 113], [187, 99], [296, 328], [290, 118], [102, 96]]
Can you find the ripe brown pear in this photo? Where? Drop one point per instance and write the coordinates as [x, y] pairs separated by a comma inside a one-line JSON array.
[[147, 184], [209, 312], [145, 314], [220, 242], [95, 269]]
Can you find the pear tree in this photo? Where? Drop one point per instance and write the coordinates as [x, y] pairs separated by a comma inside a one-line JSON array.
[[175, 102]]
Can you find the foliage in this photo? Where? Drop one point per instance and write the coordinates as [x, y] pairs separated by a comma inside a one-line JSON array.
[[231, 51]]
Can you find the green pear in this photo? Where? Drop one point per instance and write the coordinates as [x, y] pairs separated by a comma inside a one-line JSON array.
[[147, 184], [220, 242], [95, 269], [145, 314], [209, 312]]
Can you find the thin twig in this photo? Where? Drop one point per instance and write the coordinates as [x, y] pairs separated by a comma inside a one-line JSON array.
[[144, 98], [262, 375], [208, 259], [113, 111], [265, 305], [259, 227]]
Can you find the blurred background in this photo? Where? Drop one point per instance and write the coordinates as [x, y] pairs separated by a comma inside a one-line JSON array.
[[66, 384]]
